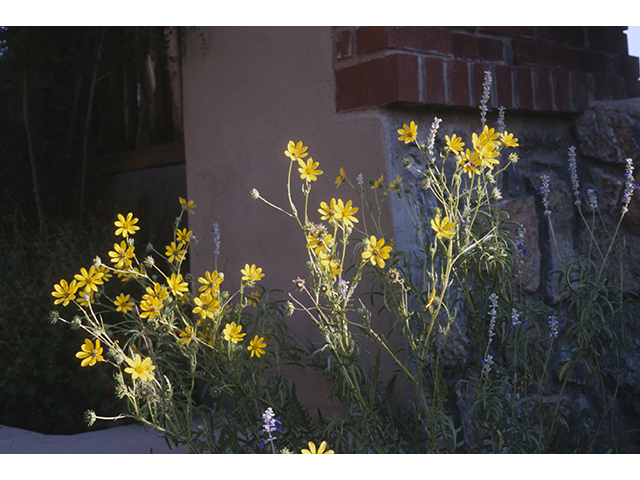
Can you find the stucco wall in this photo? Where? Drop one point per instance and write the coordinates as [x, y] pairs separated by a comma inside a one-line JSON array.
[[253, 91]]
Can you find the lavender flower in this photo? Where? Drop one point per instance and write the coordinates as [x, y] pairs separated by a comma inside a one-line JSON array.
[[515, 319], [520, 231], [487, 362], [216, 238], [344, 286], [591, 196], [494, 313], [270, 425], [554, 323], [629, 186], [360, 179], [486, 91], [432, 138], [573, 173], [500, 122], [544, 189], [521, 251]]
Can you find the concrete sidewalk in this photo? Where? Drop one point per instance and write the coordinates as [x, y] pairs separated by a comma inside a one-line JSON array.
[[116, 440]]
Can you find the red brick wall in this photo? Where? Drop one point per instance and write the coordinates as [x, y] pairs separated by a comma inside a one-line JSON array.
[[562, 69]]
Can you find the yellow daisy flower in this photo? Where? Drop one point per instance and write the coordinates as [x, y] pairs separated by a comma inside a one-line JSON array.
[[508, 140], [330, 263], [65, 292], [308, 171], [182, 236], [122, 254], [84, 299], [132, 272], [106, 273], [321, 449], [377, 183], [443, 228], [295, 151], [177, 285], [89, 280], [122, 303], [469, 163], [175, 252], [251, 273], [151, 307], [89, 354], [126, 226], [188, 206], [186, 336], [256, 346], [396, 184], [206, 306], [454, 143], [408, 133], [158, 291], [211, 282], [320, 245], [328, 212], [232, 333], [139, 368], [340, 178], [344, 213], [376, 252]]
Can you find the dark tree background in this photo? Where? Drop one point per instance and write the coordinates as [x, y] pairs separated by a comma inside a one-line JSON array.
[[71, 95], [71, 98]]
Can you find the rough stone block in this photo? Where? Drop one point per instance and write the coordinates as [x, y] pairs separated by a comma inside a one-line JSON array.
[[610, 131]]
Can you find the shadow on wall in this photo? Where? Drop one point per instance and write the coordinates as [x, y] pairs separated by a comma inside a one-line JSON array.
[[151, 194]]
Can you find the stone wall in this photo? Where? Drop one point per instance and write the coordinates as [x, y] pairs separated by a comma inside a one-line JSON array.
[[604, 136]]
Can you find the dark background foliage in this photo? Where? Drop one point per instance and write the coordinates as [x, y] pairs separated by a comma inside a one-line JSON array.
[[70, 97]]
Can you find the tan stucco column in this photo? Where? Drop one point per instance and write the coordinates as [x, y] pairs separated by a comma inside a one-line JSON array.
[[254, 90]]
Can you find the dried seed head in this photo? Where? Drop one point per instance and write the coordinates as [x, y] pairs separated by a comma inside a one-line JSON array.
[[299, 283]]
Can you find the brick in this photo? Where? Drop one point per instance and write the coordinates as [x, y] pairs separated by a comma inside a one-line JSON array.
[[562, 90], [342, 44], [542, 89], [589, 61], [415, 39], [526, 32], [473, 47], [529, 52], [627, 65], [607, 39], [434, 79], [572, 36], [458, 74], [381, 81], [503, 86], [523, 88], [580, 91]]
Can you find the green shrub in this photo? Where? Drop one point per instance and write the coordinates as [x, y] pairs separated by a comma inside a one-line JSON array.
[[43, 388], [487, 366]]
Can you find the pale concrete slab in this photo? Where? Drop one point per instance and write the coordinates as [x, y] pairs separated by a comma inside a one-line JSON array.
[[116, 440]]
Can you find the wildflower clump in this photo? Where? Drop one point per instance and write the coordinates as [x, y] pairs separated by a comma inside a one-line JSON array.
[[162, 339]]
